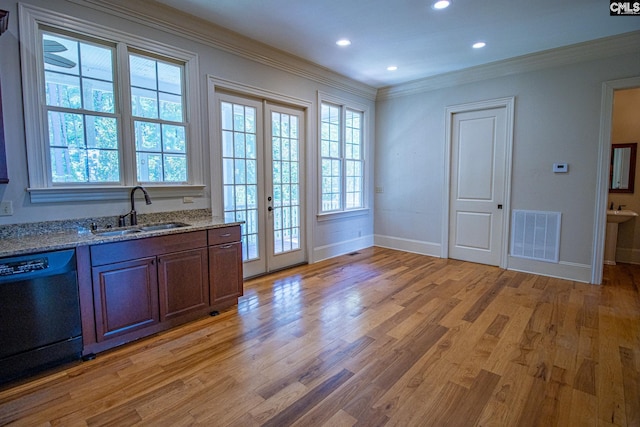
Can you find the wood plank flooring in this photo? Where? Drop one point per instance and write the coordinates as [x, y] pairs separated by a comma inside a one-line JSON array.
[[375, 338]]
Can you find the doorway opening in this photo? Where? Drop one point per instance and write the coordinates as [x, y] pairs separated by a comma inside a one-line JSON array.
[[604, 160]]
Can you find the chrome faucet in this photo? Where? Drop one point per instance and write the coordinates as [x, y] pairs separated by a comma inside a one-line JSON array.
[[133, 214]]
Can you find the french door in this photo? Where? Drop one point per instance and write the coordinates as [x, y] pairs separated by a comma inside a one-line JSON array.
[[262, 177]]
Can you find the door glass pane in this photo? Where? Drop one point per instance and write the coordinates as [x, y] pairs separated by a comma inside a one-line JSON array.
[[239, 173], [286, 203]]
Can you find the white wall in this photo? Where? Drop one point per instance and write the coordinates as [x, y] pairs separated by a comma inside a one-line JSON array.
[[252, 65], [557, 119]]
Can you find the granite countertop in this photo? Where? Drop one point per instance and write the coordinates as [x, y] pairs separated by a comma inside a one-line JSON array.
[[55, 235]]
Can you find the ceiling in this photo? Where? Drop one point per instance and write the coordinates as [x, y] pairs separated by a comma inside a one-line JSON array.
[[410, 34]]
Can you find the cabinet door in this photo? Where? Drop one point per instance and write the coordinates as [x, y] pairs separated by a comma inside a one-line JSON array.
[[125, 297], [184, 282], [225, 272]]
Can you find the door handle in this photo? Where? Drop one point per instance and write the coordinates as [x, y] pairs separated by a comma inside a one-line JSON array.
[[499, 206]]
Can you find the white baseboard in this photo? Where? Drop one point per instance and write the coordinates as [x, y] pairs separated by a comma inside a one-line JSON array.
[[628, 255], [341, 248], [561, 270], [408, 245]]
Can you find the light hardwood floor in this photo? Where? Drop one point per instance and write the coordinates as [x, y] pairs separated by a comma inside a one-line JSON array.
[[379, 337]]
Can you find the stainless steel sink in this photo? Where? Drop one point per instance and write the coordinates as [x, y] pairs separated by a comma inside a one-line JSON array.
[[163, 226], [140, 229], [117, 232]]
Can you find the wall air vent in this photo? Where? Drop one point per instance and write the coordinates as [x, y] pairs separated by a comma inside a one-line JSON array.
[[536, 235]]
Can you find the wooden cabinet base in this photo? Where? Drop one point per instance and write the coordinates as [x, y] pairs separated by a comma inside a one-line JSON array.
[[91, 348], [132, 289]]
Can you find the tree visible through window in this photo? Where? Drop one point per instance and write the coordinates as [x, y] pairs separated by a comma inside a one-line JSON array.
[[86, 127], [157, 106], [342, 161], [81, 112]]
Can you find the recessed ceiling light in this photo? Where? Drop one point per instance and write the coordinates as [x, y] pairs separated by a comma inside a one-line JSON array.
[[343, 42], [392, 68], [479, 45], [441, 4]]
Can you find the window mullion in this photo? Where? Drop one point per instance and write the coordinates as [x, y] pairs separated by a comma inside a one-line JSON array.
[[343, 161], [123, 89]]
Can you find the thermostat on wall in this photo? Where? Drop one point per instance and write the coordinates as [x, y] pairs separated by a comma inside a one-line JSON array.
[[560, 167]]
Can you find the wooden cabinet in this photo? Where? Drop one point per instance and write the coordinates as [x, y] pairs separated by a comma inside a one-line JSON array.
[[4, 177], [134, 288], [225, 265], [183, 283], [146, 285], [125, 296]]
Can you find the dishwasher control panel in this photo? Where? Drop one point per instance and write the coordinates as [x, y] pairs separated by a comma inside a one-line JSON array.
[[26, 266]]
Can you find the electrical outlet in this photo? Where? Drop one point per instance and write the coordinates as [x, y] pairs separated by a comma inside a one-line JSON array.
[[379, 190], [6, 208], [187, 199]]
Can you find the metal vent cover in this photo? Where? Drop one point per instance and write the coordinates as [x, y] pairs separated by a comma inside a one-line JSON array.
[[536, 235]]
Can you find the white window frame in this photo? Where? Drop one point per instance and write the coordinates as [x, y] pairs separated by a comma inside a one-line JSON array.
[[41, 189], [343, 105]]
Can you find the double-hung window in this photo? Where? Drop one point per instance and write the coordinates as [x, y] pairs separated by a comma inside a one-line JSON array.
[[341, 158], [105, 110], [82, 118], [159, 119]]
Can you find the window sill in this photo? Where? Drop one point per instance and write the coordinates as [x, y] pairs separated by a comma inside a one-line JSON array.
[[80, 194], [329, 216]]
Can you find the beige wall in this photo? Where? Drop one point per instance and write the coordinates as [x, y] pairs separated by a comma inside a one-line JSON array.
[[557, 119], [626, 129]]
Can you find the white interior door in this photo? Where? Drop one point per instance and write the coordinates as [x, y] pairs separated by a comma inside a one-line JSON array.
[[262, 170], [478, 176]]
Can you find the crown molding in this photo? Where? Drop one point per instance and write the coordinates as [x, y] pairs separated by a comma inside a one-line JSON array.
[[169, 20], [626, 43]]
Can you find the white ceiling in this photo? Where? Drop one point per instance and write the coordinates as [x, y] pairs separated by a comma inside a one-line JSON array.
[[410, 34]]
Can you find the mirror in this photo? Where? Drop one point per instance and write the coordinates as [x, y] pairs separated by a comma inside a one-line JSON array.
[[623, 168]]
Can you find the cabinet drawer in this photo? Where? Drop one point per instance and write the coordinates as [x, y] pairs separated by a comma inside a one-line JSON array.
[[107, 253], [218, 236]]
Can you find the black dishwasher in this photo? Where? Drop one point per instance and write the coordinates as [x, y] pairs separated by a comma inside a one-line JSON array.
[[39, 313]]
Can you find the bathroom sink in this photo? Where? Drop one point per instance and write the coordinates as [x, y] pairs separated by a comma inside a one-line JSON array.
[[613, 219], [619, 216], [163, 226], [140, 229]]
